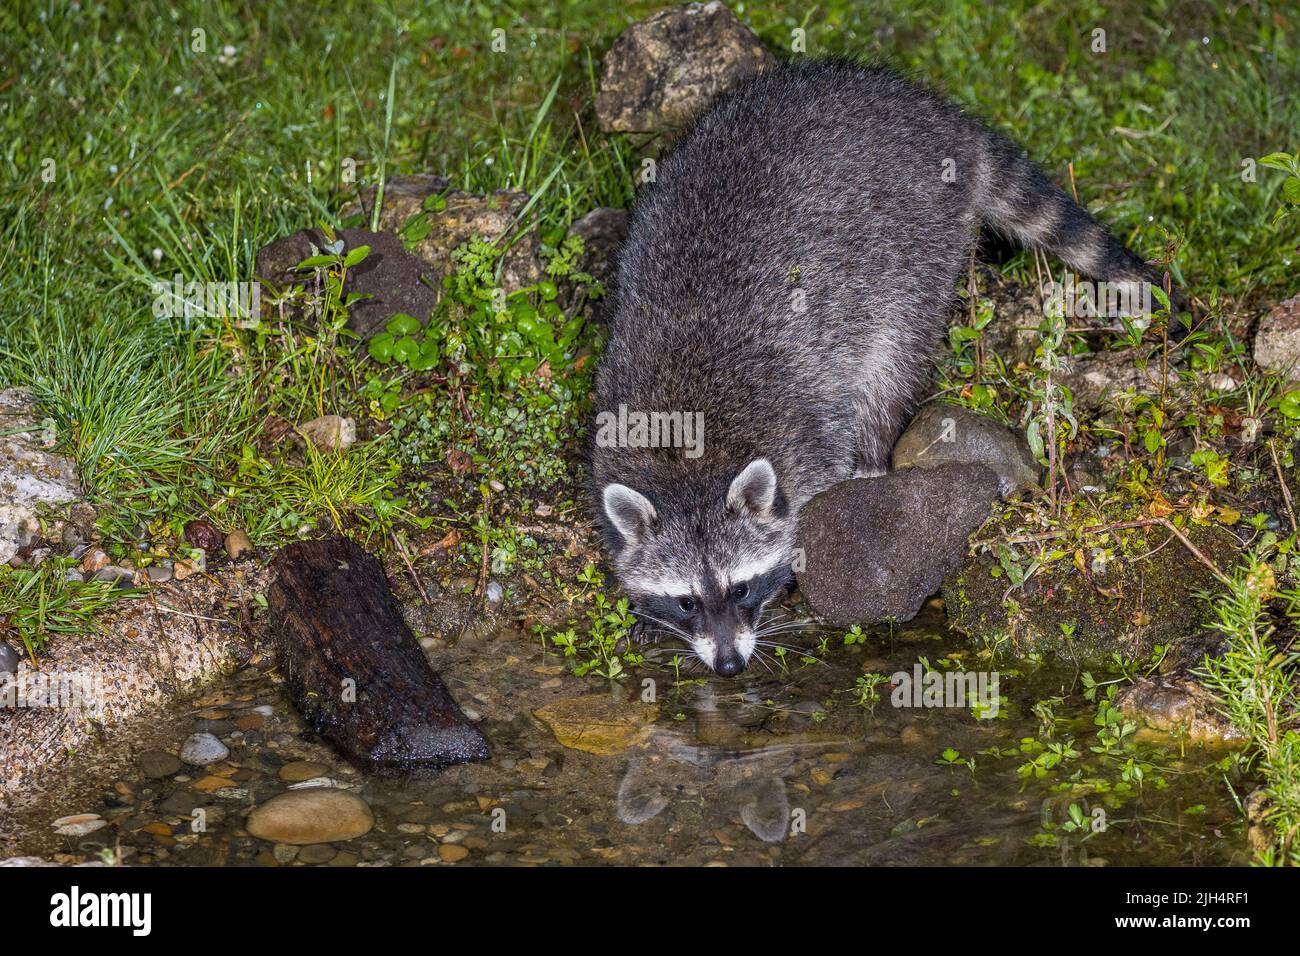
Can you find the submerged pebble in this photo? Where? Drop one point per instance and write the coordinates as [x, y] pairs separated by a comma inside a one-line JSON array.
[[317, 815], [156, 764], [79, 824], [201, 750]]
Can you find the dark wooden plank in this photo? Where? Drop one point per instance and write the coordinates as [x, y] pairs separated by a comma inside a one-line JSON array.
[[353, 667]]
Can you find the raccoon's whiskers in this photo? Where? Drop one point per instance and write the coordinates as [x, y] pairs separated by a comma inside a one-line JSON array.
[[787, 624], [770, 634], [774, 631], [765, 659], [788, 647], [665, 625], [802, 652]]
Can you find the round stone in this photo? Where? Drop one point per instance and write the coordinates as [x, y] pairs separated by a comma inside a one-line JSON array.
[[200, 750], [301, 770], [318, 815], [317, 853], [237, 542], [156, 764]]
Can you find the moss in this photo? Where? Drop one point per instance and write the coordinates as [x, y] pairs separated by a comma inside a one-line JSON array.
[[1147, 597]]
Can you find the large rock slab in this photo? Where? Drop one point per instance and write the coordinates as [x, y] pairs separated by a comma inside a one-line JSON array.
[[874, 549], [664, 71], [950, 434], [33, 477], [141, 654], [1277, 340]]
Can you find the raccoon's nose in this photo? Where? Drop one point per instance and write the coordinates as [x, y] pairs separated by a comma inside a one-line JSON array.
[[730, 665]]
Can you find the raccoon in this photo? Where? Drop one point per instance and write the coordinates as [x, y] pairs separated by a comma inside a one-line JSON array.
[[784, 285]]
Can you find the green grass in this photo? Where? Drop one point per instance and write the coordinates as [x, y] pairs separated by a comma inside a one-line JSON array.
[[167, 159], [39, 603], [1255, 679]]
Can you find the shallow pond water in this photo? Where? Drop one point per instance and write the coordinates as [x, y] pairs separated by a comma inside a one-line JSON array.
[[781, 766]]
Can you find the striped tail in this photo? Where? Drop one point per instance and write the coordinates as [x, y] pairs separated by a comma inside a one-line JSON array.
[[1020, 201]]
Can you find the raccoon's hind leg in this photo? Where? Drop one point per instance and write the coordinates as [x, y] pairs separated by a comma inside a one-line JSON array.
[[893, 382]]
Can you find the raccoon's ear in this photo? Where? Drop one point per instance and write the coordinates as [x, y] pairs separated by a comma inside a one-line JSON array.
[[754, 490], [629, 511]]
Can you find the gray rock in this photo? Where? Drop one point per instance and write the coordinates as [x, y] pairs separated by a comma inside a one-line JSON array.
[[873, 549], [73, 536], [9, 659], [200, 750], [1277, 340], [181, 803], [122, 577], [284, 853], [665, 70], [949, 434], [316, 853], [495, 592], [32, 477], [1084, 477]]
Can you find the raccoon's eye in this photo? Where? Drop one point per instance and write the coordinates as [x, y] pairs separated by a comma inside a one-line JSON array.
[[686, 604], [740, 591]]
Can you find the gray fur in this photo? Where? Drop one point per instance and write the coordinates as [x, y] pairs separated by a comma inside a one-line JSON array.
[[789, 276]]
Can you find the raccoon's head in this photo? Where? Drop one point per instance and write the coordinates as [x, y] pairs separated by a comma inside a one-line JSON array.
[[704, 567]]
